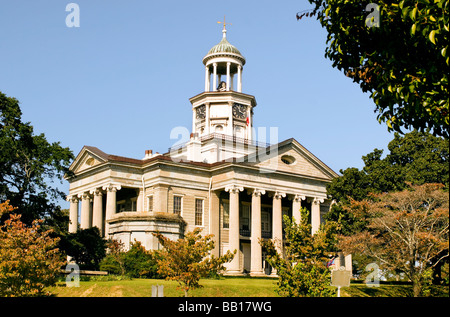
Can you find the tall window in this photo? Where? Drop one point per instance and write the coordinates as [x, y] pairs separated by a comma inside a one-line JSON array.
[[177, 205], [150, 203], [265, 219], [245, 217], [198, 212], [225, 215]]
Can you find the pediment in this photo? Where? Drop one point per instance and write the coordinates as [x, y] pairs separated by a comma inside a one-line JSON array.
[[291, 157], [87, 158]]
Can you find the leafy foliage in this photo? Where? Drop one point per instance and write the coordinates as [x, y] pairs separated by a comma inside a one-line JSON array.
[[403, 62], [187, 260], [406, 231], [29, 259], [416, 157], [136, 262], [87, 247], [302, 271], [29, 164]]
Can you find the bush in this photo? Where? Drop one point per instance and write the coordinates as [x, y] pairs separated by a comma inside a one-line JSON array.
[[136, 262]]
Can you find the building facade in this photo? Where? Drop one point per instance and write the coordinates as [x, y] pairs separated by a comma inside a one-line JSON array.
[[222, 179]]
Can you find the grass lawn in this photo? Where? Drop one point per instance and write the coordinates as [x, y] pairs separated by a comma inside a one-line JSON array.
[[226, 287]]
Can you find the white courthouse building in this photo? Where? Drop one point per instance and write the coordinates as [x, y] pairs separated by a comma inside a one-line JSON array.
[[222, 180]]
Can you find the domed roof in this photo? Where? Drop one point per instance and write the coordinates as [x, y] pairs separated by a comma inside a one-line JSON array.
[[224, 47]]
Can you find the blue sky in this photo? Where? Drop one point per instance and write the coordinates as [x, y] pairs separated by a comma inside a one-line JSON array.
[[122, 80]]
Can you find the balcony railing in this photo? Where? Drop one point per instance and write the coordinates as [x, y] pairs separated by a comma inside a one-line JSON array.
[[264, 234], [225, 138]]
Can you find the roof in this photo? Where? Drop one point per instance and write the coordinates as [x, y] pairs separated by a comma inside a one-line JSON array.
[[166, 158], [224, 47]]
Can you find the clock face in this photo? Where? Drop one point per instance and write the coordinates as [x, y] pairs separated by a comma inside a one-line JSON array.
[[239, 111], [201, 112]]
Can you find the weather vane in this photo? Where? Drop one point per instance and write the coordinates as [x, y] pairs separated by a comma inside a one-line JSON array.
[[224, 23]]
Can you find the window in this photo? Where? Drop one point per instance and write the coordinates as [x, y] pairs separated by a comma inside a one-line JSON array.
[[225, 215], [150, 203], [177, 203], [245, 217], [265, 219], [198, 212], [288, 159]]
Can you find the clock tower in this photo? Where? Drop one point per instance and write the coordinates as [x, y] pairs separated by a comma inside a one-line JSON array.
[[222, 108]]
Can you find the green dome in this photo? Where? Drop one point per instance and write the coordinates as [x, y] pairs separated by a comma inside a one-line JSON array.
[[224, 47]]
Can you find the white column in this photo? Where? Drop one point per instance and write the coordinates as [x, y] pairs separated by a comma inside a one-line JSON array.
[[110, 204], [277, 221], [140, 200], [239, 83], [228, 76], [256, 250], [233, 266], [296, 206], [315, 214], [231, 123], [73, 213], [207, 122], [85, 217], [207, 78], [215, 77], [97, 217]]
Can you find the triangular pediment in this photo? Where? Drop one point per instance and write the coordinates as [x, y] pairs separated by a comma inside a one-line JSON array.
[[291, 157], [87, 158]]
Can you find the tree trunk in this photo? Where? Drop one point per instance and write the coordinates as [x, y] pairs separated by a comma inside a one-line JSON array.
[[417, 288]]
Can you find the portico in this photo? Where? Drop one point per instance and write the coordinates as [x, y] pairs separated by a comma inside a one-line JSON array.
[[245, 225]]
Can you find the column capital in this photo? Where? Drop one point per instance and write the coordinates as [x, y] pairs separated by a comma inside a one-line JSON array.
[[84, 196], [256, 192], [72, 198], [318, 200], [96, 192], [111, 187], [234, 189], [277, 195], [298, 197]]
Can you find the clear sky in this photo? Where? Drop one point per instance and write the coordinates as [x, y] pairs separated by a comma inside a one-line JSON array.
[[122, 80]]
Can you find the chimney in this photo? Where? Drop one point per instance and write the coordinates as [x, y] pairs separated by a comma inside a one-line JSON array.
[[148, 154]]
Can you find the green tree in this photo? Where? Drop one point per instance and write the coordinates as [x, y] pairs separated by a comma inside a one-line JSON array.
[[416, 157], [187, 260], [29, 165], [403, 60], [29, 258], [87, 247], [302, 271]]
